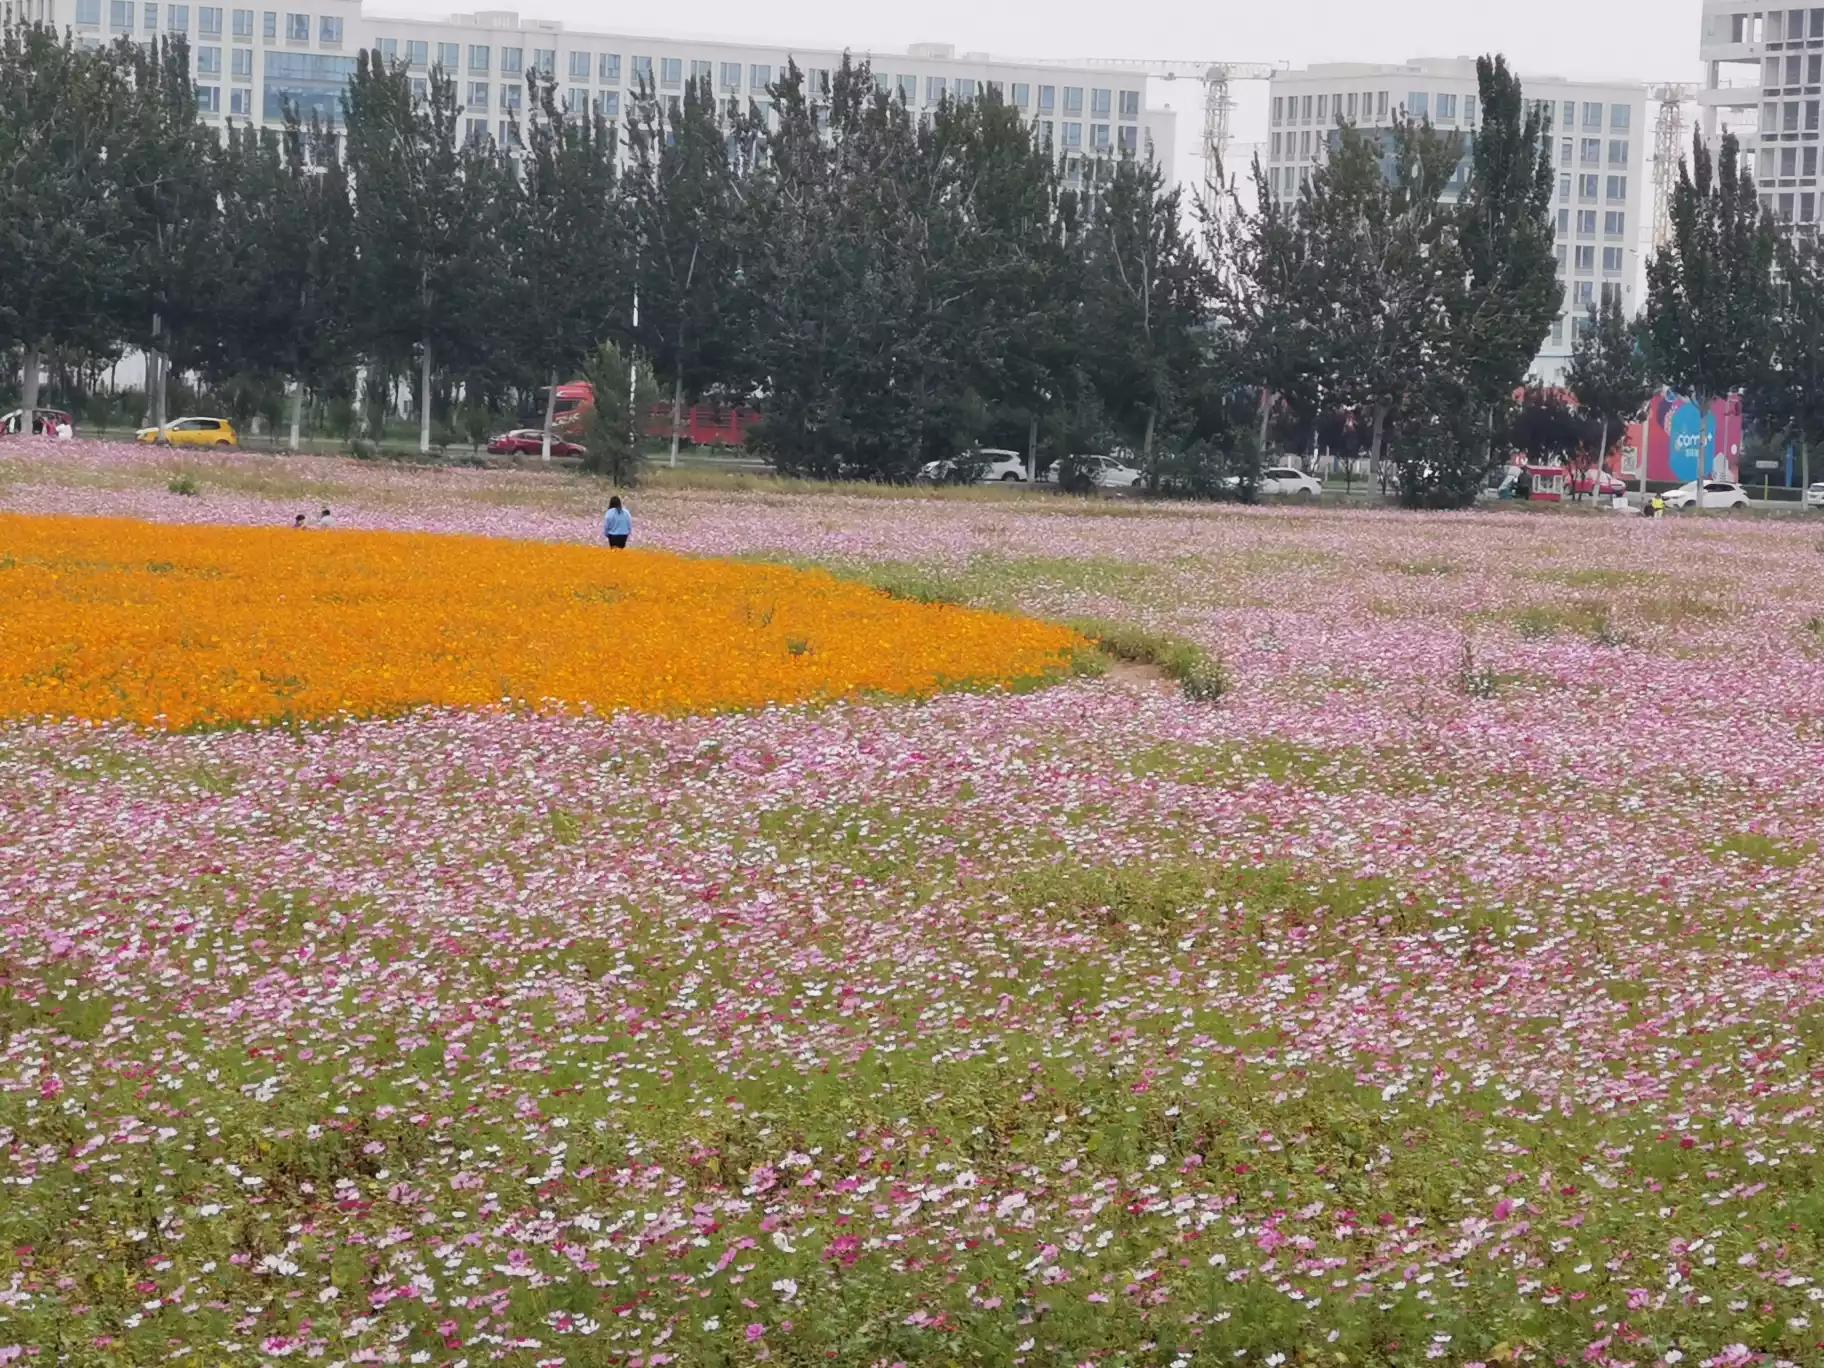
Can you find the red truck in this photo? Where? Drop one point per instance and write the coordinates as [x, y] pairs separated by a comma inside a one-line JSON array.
[[698, 425]]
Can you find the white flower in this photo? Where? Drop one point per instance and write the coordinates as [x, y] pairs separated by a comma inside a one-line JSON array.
[[787, 1288], [782, 1243]]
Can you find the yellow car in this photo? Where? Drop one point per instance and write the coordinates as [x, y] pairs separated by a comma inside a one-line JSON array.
[[194, 432]]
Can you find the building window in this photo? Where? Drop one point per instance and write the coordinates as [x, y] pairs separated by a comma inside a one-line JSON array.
[[1380, 105], [209, 99], [1583, 293], [965, 88], [241, 63], [329, 31], [1130, 104], [1279, 108], [1304, 140], [936, 88], [417, 53], [1048, 131], [1130, 140], [1418, 105], [1048, 99], [671, 72], [481, 58], [1592, 116], [120, 15], [1566, 146], [731, 75], [389, 51], [1073, 99], [1022, 94], [1592, 151], [1562, 253], [1557, 332], [208, 59], [88, 13], [642, 72], [611, 104], [701, 71], [177, 17], [1073, 136], [1618, 152], [1101, 103], [243, 24], [908, 89], [240, 103], [1305, 108], [1618, 188], [297, 28], [1611, 259], [1586, 258], [1789, 162], [608, 69], [1620, 117], [1808, 207], [149, 16], [512, 98], [760, 75], [1586, 222], [1099, 137], [1564, 222], [544, 61], [1588, 186], [1323, 108], [209, 22], [576, 100], [1564, 187], [421, 89], [1615, 222], [1809, 159], [1275, 152], [478, 94], [512, 61], [1447, 108], [1350, 116], [269, 26], [580, 65]]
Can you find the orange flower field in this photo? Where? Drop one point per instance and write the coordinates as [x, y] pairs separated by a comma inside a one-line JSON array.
[[178, 627]]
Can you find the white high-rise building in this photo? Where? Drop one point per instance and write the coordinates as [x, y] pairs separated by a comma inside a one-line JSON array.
[[250, 63], [1599, 138], [1763, 81]]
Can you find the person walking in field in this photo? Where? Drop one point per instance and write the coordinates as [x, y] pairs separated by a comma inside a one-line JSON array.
[[618, 525]]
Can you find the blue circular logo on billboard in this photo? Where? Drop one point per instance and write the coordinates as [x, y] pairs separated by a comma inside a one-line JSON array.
[[1686, 434]]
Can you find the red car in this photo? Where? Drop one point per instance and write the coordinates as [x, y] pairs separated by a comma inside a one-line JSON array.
[[1598, 482], [531, 442]]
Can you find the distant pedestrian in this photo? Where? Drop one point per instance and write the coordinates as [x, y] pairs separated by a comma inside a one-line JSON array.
[[324, 519], [298, 522], [64, 430], [618, 525]]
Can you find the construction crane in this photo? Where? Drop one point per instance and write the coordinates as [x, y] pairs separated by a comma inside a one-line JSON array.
[[1668, 148], [1216, 78]]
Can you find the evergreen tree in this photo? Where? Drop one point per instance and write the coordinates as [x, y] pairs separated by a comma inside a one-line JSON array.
[[65, 233], [1608, 374], [1710, 294], [1791, 396], [684, 199], [567, 266]]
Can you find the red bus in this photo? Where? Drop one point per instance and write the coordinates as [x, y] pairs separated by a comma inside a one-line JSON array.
[[698, 425]]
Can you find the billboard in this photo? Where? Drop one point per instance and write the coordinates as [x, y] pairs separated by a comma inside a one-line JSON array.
[[1679, 442]]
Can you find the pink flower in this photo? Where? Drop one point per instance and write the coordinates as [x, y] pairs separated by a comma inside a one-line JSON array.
[[755, 1331]]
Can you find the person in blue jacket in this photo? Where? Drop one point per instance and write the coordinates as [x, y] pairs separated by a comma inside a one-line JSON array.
[[618, 525]]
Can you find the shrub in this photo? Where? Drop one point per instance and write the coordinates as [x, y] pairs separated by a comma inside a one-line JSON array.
[[184, 484]]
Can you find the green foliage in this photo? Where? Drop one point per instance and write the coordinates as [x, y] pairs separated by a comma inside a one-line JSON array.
[[1608, 372], [184, 484], [1197, 673], [614, 446]]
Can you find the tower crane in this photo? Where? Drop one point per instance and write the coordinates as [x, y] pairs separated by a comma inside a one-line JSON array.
[[1668, 147], [1216, 78]]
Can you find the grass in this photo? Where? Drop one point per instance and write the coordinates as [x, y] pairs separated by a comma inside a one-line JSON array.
[[1196, 672]]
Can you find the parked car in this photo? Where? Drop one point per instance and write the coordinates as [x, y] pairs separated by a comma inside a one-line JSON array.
[[1717, 494], [531, 442], [1814, 495], [1598, 482], [45, 422], [994, 464], [1105, 472], [193, 432], [1283, 482]]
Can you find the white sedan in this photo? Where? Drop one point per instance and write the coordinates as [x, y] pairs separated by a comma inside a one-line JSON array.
[[1717, 494], [1814, 495], [994, 463], [1105, 472], [1283, 482]]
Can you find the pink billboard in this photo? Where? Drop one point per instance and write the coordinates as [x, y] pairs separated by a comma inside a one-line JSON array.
[[1679, 443]]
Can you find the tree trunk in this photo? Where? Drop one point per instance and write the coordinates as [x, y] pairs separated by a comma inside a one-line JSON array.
[[1146, 449], [297, 411], [550, 415], [1804, 471], [159, 364], [1374, 443], [677, 412], [1032, 448], [424, 400], [1266, 417], [29, 394]]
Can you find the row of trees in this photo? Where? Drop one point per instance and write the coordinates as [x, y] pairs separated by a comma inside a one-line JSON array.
[[887, 288]]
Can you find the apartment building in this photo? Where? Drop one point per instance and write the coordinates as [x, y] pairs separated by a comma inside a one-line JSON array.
[[1599, 135], [1763, 81], [252, 63]]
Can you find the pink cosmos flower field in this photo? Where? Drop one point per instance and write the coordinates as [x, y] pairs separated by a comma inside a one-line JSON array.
[[1451, 991]]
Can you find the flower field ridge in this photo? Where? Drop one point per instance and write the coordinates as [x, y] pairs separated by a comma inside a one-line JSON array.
[[175, 627]]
